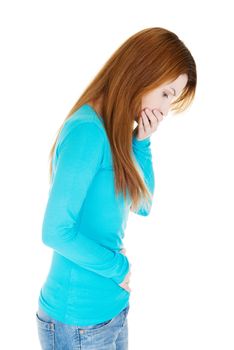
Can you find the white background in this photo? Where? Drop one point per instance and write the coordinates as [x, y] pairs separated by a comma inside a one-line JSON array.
[[182, 254]]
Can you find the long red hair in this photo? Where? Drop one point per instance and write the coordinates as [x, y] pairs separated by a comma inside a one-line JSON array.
[[149, 58]]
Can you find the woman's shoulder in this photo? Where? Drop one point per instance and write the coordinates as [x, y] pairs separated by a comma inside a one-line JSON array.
[[84, 120], [83, 115]]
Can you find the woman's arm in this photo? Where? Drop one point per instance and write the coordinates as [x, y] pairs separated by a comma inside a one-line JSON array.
[[143, 156], [79, 157]]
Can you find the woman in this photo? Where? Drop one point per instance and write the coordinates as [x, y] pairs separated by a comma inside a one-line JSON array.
[[100, 170]]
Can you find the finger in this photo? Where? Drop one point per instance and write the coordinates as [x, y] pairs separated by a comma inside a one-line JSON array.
[[155, 117], [127, 279], [157, 114], [146, 123], [126, 286], [141, 128], [123, 251], [140, 125], [150, 116]]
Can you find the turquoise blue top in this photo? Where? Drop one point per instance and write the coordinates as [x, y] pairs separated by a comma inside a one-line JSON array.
[[84, 223]]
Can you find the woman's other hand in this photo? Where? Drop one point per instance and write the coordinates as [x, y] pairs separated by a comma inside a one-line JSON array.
[[125, 283]]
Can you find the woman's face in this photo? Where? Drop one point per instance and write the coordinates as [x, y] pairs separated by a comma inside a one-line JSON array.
[[162, 97]]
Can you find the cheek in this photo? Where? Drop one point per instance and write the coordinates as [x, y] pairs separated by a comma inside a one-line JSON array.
[[151, 103], [153, 98]]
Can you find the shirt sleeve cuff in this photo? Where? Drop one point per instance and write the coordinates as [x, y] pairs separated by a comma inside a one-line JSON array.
[[144, 142]]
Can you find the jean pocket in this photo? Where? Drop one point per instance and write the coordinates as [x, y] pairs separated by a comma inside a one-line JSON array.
[[46, 332], [44, 323]]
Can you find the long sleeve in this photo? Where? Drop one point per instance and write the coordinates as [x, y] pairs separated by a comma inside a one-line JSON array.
[[143, 156], [79, 156]]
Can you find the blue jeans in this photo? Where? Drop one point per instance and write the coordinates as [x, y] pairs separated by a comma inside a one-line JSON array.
[[108, 335]]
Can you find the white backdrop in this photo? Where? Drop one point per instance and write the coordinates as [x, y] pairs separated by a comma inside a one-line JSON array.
[[182, 254]]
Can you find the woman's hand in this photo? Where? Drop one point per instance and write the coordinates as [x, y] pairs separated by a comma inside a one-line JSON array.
[[123, 251], [125, 282], [148, 123]]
